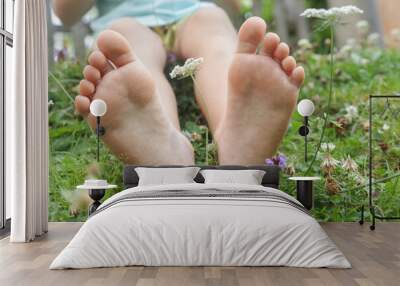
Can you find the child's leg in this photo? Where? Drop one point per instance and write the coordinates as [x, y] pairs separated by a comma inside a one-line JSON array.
[[248, 98], [141, 122], [209, 33]]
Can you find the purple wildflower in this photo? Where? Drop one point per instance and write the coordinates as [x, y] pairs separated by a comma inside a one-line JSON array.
[[278, 160], [171, 58], [61, 55]]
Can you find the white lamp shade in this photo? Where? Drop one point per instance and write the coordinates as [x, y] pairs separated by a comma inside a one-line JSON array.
[[305, 107], [98, 107]]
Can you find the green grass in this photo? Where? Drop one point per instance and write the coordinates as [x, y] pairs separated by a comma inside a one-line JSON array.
[[73, 143]]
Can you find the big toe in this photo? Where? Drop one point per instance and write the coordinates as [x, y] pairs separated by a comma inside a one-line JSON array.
[[251, 34], [115, 47]]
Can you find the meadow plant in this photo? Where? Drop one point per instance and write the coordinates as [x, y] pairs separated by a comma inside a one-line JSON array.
[[189, 69], [329, 18]]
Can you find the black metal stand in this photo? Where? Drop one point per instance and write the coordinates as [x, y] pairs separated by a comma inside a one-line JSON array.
[[305, 194], [303, 131], [370, 200], [100, 131], [361, 221], [96, 195]]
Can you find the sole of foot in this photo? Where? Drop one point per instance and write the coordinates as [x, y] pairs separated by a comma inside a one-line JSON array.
[[263, 86], [138, 131]]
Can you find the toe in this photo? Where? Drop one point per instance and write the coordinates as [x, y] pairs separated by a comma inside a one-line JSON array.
[[281, 52], [289, 64], [91, 74], [298, 76], [82, 104], [269, 45], [251, 34], [86, 88], [115, 47], [99, 61]]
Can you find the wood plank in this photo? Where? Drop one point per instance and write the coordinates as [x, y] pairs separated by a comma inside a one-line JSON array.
[[375, 257]]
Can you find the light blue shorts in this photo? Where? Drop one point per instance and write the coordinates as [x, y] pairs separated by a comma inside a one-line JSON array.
[[151, 13]]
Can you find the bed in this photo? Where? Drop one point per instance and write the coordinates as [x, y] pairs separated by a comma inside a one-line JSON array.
[[201, 224]]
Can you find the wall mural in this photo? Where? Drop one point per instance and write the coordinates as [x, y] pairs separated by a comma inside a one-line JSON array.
[[189, 111]]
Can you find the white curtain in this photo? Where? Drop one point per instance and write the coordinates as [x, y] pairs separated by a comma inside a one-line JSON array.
[[27, 124]]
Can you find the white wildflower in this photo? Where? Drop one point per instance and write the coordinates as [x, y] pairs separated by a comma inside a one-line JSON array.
[[373, 39], [332, 14], [345, 51], [188, 69], [363, 27], [359, 60], [304, 44], [328, 147], [351, 112], [50, 103], [329, 164], [359, 179], [385, 127], [349, 164]]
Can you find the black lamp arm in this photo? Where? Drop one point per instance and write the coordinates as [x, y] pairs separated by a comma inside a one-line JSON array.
[[100, 131], [303, 131]]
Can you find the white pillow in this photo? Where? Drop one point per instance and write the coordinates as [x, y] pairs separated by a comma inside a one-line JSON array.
[[165, 176], [248, 177]]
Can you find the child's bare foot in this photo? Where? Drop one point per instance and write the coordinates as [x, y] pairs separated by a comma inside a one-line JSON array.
[[137, 128], [262, 94]]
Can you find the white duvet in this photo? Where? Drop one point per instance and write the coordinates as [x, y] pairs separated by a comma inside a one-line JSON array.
[[192, 231]]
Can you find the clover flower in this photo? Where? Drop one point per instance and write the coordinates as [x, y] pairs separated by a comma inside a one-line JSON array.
[[345, 50], [359, 60], [333, 14], [304, 44], [278, 160], [373, 39], [361, 180], [329, 164], [196, 137], [385, 127], [349, 164], [187, 70], [363, 27], [328, 147], [351, 112]]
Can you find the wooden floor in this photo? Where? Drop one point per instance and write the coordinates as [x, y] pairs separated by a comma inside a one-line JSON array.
[[375, 257]]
